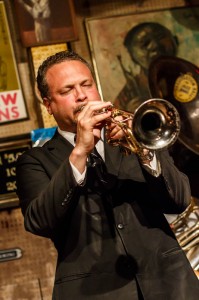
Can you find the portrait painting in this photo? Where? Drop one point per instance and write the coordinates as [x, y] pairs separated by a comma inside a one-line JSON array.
[[123, 47], [43, 22]]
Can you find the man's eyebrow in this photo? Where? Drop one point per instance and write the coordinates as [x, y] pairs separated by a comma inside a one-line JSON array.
[[70, 85], [86, 80]]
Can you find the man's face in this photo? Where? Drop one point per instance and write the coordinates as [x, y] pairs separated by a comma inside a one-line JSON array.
[[71, 85], [149, 43]]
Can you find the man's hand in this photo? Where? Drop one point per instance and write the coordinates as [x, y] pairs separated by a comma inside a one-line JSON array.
[[116, 129], [90, 122]]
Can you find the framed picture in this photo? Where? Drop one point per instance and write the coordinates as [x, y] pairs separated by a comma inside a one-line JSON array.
[[123, 47], [46, 21], [10, 149], [12, 104], [38, 55]]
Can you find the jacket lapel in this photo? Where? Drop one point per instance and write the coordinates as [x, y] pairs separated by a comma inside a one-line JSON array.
[[113, 158], [59, 147]]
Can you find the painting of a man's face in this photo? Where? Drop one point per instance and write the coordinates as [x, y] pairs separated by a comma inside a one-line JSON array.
[[147, 41], [124, 52]]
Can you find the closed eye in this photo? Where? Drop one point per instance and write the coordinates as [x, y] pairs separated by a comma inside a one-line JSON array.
[[87, 84], [65, 93]]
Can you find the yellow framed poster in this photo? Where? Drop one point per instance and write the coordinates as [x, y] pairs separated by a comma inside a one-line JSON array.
[[12, 104]]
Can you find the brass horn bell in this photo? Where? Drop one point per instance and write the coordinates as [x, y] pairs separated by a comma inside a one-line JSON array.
[[155, 126]]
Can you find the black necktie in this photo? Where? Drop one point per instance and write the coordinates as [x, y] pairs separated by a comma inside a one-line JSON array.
[[99, 167], [97, 162], [96, 156]]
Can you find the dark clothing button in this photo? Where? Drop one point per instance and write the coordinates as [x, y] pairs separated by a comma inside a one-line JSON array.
[[120, 226], [126, 266]]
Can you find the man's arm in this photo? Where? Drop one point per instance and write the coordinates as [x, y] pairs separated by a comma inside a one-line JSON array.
[[46, 194], [171, 190]]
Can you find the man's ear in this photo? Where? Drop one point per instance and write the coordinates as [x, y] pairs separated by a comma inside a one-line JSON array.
[[46, 103]]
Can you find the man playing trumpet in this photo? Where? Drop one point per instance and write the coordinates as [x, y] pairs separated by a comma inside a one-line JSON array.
[[104, 214]]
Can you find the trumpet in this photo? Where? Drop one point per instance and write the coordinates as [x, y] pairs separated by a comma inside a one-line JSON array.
[[155, 125]]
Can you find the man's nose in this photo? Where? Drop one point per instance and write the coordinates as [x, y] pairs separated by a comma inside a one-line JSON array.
[[80, 93], [151, 45]]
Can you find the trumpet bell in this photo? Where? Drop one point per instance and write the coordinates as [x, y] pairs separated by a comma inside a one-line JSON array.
[[156, 124]]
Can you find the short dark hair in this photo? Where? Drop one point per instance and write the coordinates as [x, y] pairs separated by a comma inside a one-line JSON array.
[[56, 58]]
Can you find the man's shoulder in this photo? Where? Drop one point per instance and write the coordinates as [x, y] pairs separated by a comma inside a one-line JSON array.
[[33, 153]]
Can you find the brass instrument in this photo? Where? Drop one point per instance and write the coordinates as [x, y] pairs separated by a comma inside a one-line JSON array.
[[155, 125], [178, 79], [186, 229]]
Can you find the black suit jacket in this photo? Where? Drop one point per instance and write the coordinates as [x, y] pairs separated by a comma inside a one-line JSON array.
[[110, 239]]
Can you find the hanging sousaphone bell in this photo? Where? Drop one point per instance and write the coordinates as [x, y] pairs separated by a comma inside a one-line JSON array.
[[177, 80]]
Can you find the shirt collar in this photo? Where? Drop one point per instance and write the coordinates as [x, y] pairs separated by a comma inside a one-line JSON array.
[[70, 136], [67, 135]]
